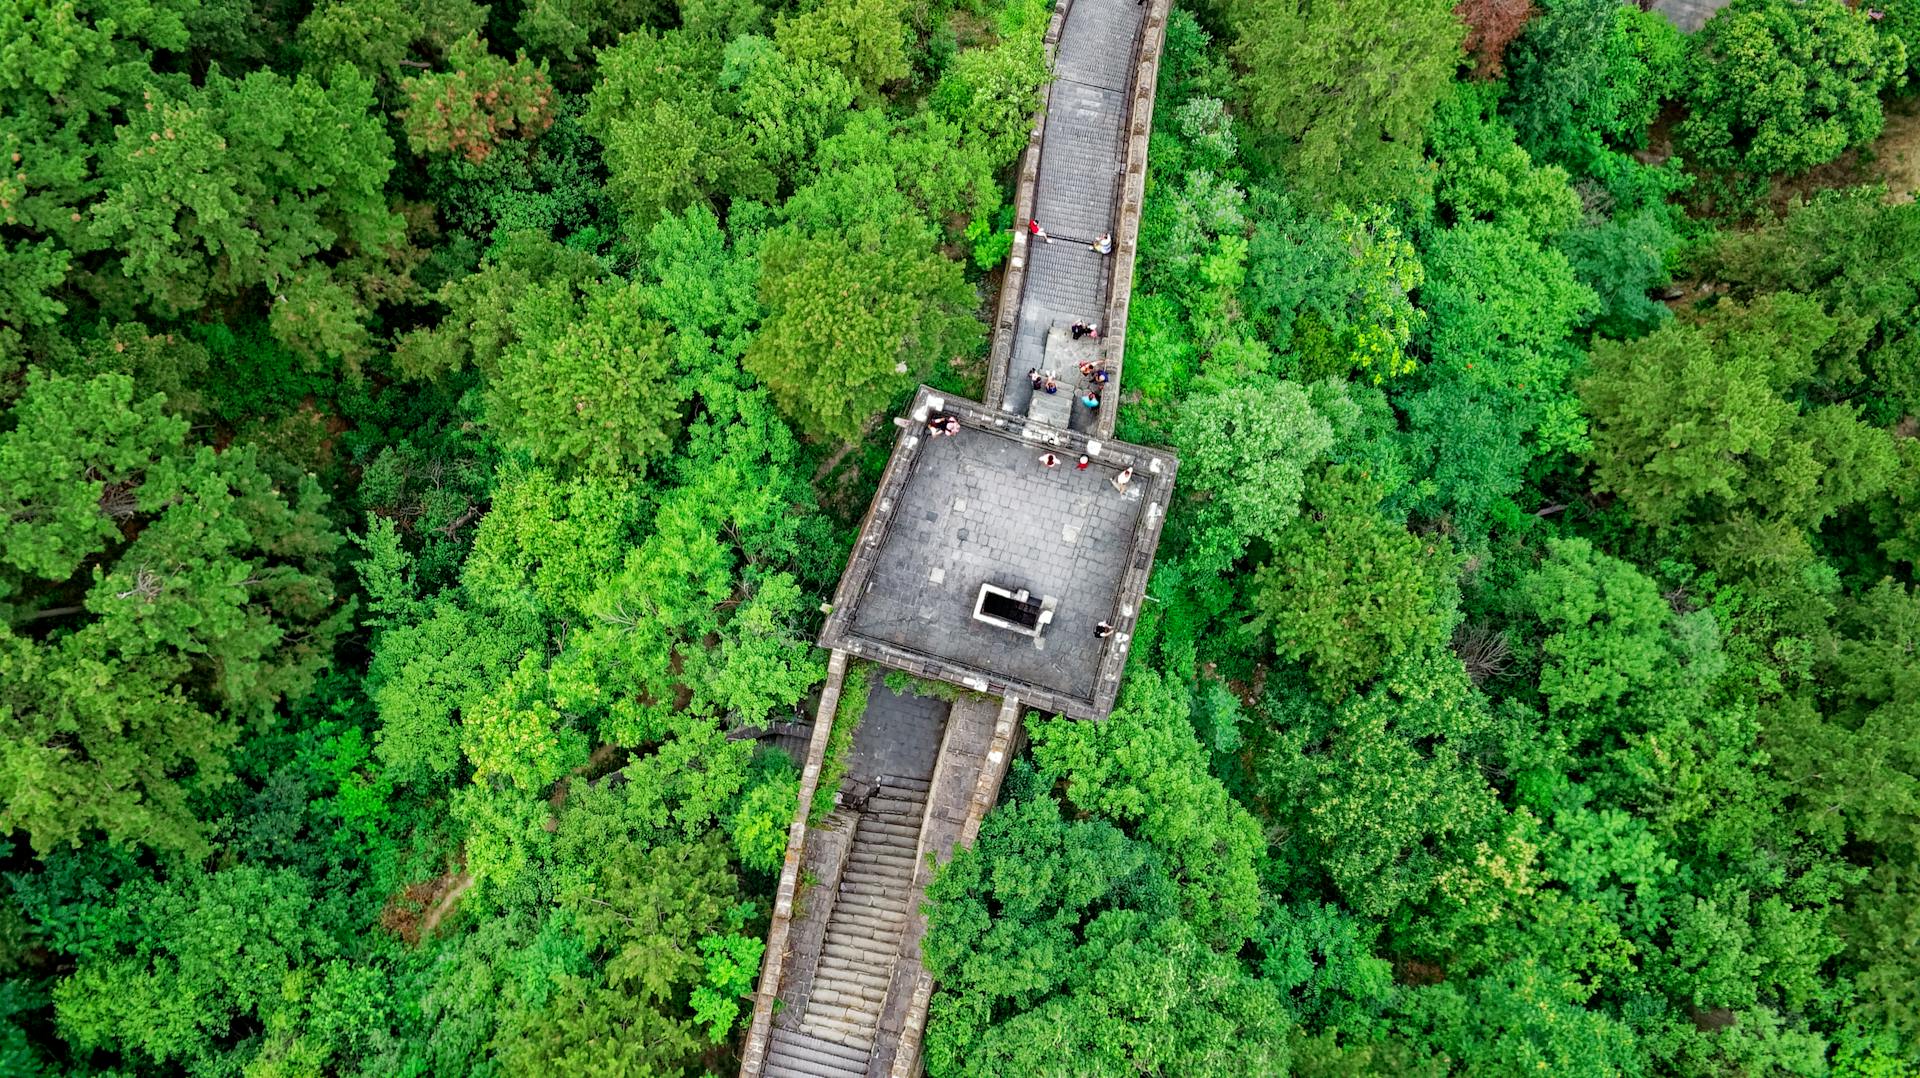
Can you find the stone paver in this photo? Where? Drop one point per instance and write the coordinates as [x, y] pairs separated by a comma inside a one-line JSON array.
[[979, 508], [899, 736]]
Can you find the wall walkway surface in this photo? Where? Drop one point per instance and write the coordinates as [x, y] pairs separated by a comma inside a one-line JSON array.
[[842, 992]]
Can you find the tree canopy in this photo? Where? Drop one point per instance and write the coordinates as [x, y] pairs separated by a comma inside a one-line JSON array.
[[431, 436]]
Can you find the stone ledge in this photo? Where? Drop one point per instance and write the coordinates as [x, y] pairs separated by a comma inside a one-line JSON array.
[[753, 1050]]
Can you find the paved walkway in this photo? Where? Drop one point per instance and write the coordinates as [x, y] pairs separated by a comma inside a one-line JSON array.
[[1077, 197]]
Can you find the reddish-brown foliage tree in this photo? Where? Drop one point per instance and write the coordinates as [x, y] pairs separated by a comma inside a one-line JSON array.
[[482, 100], [1491, 27]]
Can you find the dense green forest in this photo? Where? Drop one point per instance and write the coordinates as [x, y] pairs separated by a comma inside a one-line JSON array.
[[430, 430]]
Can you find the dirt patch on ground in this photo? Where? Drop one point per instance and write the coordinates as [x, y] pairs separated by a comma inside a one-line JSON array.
[[449, 898], [414, 913], [1892, 159], [1897, 153]]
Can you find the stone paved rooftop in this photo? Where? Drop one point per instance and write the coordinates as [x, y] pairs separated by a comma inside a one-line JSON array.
[[956, 512]]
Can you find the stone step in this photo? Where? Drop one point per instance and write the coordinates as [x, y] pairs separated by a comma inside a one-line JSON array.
[[849, 991], [863, 964], [879, 872], [870, 938], [874, 971], [849, 1031], [883, 859], [868, 910], [891, 888], [851, 971], [875, 830], [851, 1025], [903, 782], [885, 902], [853, 994], [855, 954], [800, 1043], [873, 923], [881, 865]]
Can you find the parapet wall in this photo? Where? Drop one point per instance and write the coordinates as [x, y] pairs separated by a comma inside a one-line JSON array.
[[753, 1052], [1013, 282], [1133, 193]]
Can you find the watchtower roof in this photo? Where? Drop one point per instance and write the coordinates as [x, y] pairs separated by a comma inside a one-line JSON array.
[[979, 508]]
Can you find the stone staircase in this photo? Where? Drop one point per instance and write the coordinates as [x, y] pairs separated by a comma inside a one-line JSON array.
[[869, 916]]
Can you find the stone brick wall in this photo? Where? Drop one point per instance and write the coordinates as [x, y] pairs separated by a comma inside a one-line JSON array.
[[993, 771], [753, 1053], [1013, 282], [1133, 187]]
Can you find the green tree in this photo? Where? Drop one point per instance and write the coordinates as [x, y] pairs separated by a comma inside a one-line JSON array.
[[1860, 256], [847, 311], [1486, 176], [788, 106], [178, 968], [69, 72], [378, 37], [1347, 587], [1588, 75], [574, 29], [483, 99], [1848, 754], [588, 385], [1336, 292], [1779, 87], [1385, 800], [1058, 951], [160, 598], [545, 545], [484, 309], [1144, 769], [1347, 86], [1471, 445], [424, 679], [1244, 454], [1522, 1019], [1697, 422], [699, 619], [1323, 958], [669, 139], [1896, 517], [992, 93], [258, 185], [1623, 260], [864, 40], [643, 916], [1502, 309], [1606, 626]]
